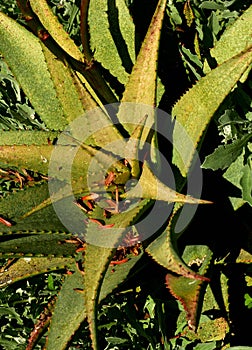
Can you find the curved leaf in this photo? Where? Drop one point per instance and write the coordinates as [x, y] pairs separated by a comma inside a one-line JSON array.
[[189, 292], [195, 109], [164, 251], [112, 34], [234, 40], [24, 55], [99, 251], [69, 311], [44, 244], [27, 267], [142, 83], [55, 29]]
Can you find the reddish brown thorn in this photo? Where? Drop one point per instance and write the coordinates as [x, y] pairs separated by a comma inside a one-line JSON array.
[[109, 179], [96, 221], [5, 222], [91, 196], [119, 262]]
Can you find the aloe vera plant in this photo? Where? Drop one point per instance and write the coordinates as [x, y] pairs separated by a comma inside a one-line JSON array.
[[102, 178]]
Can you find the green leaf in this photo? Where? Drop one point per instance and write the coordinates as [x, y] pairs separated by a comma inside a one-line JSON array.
[[27, 267], [234, 172], [186, 290], [23, 53], [164, 250], [98, 254], [142, 83], [53, 26], [38, 244], [71, 93], [246, 184], [195, 109], [28, 137], [149, 186], [117, 274], [30, 199], [225, 155], [234, 40], [69, 312], [12, 313], [112, 33]]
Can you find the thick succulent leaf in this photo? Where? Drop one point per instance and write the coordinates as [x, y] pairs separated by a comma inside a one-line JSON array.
[[59, 160], [38, 244], [55, 29], [72, 95], [89, 77], [32, 157], [186, 290], [142, 83], [117, 274], [164, 250], [24, 55], [195, 109], [69, 311], [37, 158], [29, 199], [27, 267], [98, 254], [213, 323], [112, 33], [28, 137], [149, 186], [234, 40]]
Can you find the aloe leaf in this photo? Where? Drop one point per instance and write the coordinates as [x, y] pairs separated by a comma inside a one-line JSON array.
[[29, 198], [234, 40], [149, 186], [112, 34], [99, 251], [195, 109], [92, 76], [27, 267], [27, 137], [189, 291], [73, 96], [34, 157], [23, 53], [53, 26], [142, 83], [164, 250], [116, 274], [69, 311], [38, 244], [38, 157]]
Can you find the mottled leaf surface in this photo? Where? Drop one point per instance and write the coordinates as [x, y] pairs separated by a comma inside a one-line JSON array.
[[69, 311], [27, 267], [164, 250], [189, 291], [23, 53], [195, 109]]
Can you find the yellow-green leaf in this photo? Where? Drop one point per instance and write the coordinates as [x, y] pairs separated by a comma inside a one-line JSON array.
[[195, 109], [55, 29], [24, 55]]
